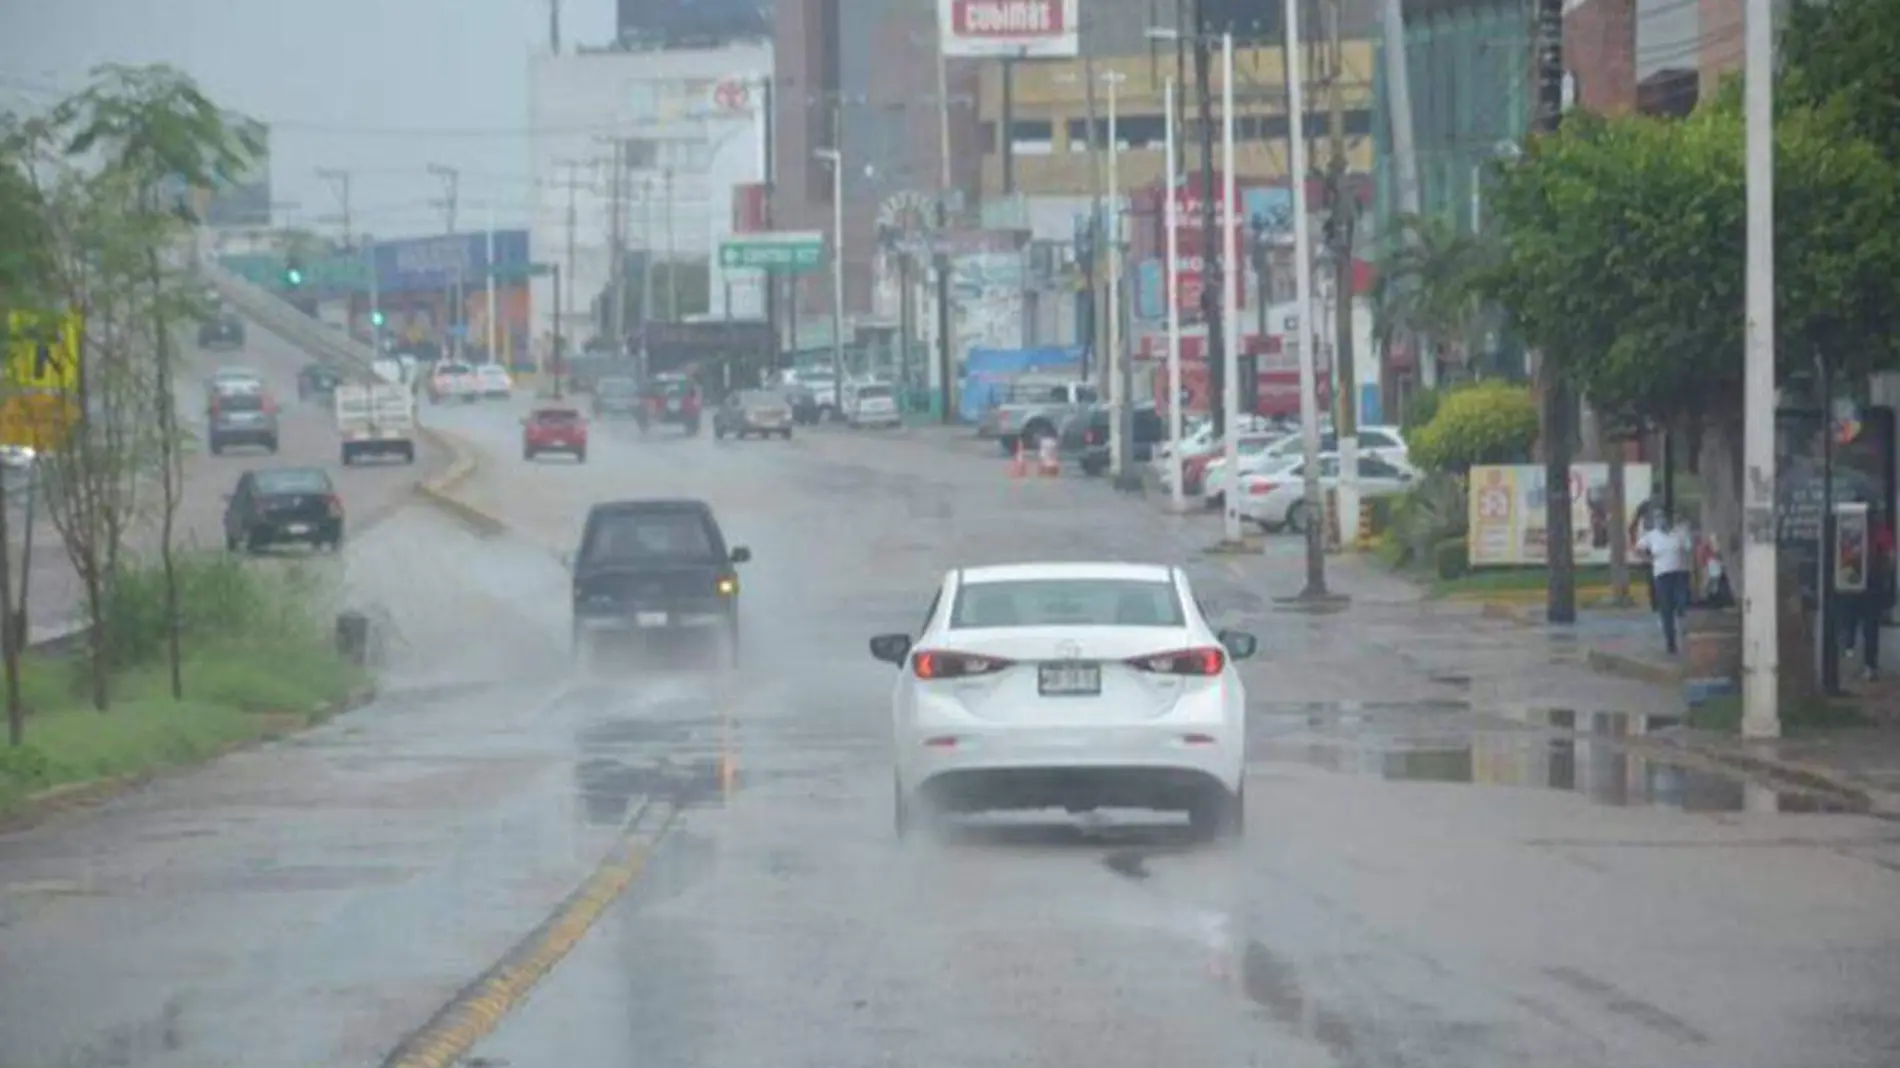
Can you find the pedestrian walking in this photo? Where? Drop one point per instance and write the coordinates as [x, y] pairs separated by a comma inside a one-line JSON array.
[[1668, 551]]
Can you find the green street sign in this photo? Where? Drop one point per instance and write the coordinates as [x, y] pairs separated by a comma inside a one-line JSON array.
[[784, 252]]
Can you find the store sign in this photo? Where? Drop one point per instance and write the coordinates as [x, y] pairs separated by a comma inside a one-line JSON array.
[[1040, 29]]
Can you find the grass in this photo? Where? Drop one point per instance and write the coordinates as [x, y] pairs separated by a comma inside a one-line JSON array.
[[233, 695], [1807, 716], [1516, 579]]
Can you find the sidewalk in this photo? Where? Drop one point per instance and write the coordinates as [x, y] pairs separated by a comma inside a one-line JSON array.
[[1861, 761]]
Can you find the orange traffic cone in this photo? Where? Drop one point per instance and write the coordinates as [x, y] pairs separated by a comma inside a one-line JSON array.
[[1019, 466], [1049, 460]]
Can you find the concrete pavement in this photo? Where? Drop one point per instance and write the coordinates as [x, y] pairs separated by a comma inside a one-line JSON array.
[[1453, 859]]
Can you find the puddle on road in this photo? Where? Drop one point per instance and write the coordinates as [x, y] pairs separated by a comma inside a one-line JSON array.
[[1600, 771]]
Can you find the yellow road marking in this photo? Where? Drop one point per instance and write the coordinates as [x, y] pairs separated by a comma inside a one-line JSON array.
[[475, 1012]]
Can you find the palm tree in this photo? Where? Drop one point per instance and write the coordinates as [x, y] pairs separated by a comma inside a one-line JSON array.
[[1428, 284]]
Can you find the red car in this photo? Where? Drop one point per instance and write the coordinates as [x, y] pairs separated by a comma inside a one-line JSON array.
[[554, 429]]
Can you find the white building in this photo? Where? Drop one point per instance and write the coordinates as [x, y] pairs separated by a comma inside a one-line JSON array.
[[690, 126]]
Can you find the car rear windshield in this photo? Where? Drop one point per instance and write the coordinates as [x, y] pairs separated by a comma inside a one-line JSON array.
[[560, 417], [454, 369], [616, 386], [241, 402], [295, 480], [874, 392], [645, 537], [1067, 603]]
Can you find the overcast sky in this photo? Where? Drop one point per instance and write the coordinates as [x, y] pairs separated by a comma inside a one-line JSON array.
[[382, 88]]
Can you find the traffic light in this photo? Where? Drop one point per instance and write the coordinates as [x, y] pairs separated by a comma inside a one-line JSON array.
[[376, 318], [293, 270]]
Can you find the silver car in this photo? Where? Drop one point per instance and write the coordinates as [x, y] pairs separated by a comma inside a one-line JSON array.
[[754, 411], [237, 418]]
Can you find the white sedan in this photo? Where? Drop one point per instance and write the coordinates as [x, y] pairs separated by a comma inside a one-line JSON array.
[[493, 381], [1275, 496], [1069, 685]]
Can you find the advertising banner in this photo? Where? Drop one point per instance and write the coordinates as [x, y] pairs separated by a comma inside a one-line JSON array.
[[1506, 512], [1033, 29]]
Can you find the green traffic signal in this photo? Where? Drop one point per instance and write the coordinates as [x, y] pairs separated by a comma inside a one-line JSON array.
[[294, 276], [376, 318]]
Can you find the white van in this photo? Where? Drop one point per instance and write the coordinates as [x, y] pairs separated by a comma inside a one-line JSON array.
[[873, 404]]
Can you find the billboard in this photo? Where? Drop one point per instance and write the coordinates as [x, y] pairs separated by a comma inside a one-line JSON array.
[[1035, 29], [1506, 512]]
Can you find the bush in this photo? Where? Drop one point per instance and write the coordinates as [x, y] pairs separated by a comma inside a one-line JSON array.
[[1489, 422], [1432, 511], [1450, 559], [220, 601]]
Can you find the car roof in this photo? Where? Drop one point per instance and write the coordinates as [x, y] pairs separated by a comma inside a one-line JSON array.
[[971, 576], [555, 409], [650, 504], [266, 472]]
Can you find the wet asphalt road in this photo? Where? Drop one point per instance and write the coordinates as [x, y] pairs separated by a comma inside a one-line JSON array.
[[1450, 859]]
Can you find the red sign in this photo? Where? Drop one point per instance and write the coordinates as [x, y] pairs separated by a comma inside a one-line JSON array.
[[1279, 391], [748, 208], [732, 95], [1190, 247], [1006, 18]]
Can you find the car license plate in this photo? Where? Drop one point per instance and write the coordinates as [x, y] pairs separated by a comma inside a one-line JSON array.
[[298, 528], [650, 619], [1069, 680]]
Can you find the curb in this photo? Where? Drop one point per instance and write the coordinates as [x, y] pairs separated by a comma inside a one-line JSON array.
[[37, 808], [440, 490], [1880, 804], [1633, 667]]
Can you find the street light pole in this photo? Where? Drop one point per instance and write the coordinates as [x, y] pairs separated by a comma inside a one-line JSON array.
[[1303, 282], [1177, 492], [836, 158], [1761, 596], [1222, 252], [1122, 380]]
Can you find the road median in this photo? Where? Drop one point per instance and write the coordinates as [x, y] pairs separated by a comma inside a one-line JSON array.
[[440, 490]]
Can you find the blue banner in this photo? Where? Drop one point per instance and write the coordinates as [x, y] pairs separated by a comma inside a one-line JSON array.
[[436, 263]]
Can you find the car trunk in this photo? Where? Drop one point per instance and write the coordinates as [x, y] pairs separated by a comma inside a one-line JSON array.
[[1043, 658], [281, 508], [660, 586]]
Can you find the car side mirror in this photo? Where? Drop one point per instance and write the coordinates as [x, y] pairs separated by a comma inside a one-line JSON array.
[[1239, 644], [891, 648], [740, 554]]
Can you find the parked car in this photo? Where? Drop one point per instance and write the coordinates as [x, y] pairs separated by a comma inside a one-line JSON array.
[[1275, 498], [754, 411], [493, 381], [873, 404], [1149, 430], [553, 428], [670, 400], [273, 506]]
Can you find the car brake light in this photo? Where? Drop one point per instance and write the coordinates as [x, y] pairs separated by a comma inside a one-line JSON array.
[[1203, 661], [1261, 489], [937, 664], [941, 741], [1197, 739], [336, 506]]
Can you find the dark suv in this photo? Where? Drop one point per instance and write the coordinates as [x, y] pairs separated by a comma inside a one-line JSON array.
[[653, 571], [221, 332]]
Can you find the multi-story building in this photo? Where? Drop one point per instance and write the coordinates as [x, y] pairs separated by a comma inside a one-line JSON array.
[[687, 125]]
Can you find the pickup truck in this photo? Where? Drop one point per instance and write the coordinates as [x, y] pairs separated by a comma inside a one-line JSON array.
[[376, 420], [1030, 412]]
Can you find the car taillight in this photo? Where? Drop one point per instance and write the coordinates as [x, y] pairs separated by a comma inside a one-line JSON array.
[[1094, 437], [336, 506], [1204, 661], [1261, 489], [937, 664]]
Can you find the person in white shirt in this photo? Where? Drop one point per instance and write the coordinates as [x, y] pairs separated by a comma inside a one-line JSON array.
[[1667, 549]]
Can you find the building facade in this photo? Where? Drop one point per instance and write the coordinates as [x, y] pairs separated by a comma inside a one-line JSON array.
[[687, 127]]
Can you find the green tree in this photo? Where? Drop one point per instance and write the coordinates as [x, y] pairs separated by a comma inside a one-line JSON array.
[[1490, 422], [1623, 257], [1427, 283], [154, 127], [1840, 56]]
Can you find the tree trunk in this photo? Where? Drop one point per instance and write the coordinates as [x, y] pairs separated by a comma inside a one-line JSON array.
[[1719, 460], [10, 638], [1618, 493], [169, 479]]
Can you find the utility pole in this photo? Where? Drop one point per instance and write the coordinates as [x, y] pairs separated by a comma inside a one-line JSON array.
[[1213, 252], [945, 365], [1398, 88], [1560, 589], [646, 259], [1761, 594], [340, 181], [1341, 217], [672, 268], [617, 238], [554, 26], [561, 311], [769, 150], [1097, 209], [451, 190]]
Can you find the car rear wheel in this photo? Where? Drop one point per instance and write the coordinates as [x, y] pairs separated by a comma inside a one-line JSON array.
[[903, 810], [1219, 815], [527, 453], [580, 456]]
